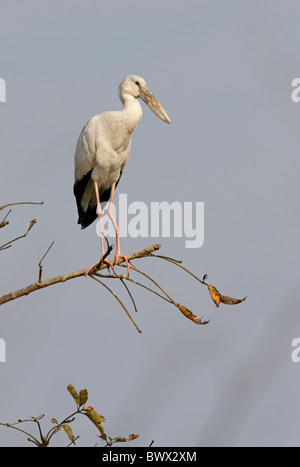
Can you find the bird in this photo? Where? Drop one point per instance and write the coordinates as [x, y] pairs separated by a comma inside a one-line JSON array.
[[101, 154]]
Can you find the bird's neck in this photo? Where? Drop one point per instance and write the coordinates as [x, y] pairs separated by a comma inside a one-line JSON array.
[[131, 113]]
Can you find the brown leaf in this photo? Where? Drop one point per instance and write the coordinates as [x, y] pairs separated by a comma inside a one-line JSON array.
[[230, 300], [219, 298], [188, 314], [122, 439], [215, 294]]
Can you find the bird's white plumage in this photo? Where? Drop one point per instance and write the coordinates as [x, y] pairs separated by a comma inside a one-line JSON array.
[[104, 144], [101, 154], [103, 147]]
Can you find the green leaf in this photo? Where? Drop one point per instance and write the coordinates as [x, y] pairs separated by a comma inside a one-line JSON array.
[[96, 418], [83, 397], [69, 432]]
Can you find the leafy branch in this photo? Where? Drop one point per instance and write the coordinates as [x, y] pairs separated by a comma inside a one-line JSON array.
[[43, 440], [17, 204]]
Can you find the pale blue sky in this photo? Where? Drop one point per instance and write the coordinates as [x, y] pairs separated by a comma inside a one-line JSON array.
[[223, 72]]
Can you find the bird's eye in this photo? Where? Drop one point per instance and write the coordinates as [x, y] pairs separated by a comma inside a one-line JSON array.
[[137, 83]]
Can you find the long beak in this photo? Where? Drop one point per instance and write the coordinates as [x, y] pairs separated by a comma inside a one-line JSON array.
[[154, 105]]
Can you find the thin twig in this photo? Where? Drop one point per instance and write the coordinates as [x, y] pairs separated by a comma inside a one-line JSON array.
[[15, 204], [127, 278], [168, 258], [97, 266], [8, 244], [72, 442], [147, 288], [129, 293], [36, 420], [174, 261], [121, 303], [12, 425], [157, 285], [3, 223], [40, 263]]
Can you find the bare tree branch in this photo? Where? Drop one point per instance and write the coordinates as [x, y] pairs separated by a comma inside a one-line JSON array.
[[95, 274], [8, 244], [16, 204], [66, 277]]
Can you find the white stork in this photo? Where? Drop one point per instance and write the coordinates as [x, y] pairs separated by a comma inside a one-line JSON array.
[[102, 151]]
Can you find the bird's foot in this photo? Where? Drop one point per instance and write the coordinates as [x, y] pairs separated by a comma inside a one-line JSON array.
[[127, 261], [98, 264]]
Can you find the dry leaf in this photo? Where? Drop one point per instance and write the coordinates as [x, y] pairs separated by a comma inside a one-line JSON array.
[[219, 298], [121, 439], [231, 301], [188, 314], [215, 294]]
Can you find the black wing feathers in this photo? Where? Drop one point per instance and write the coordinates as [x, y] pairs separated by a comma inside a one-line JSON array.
[[87, 218]]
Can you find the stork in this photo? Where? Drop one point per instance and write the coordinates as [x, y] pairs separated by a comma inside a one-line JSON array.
[[101, 154]]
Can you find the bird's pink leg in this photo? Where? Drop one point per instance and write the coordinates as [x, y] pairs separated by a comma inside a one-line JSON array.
[[111, 215], [100, 215]]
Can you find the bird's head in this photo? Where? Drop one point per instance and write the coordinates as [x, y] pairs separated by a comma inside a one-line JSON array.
[[136, 86]]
